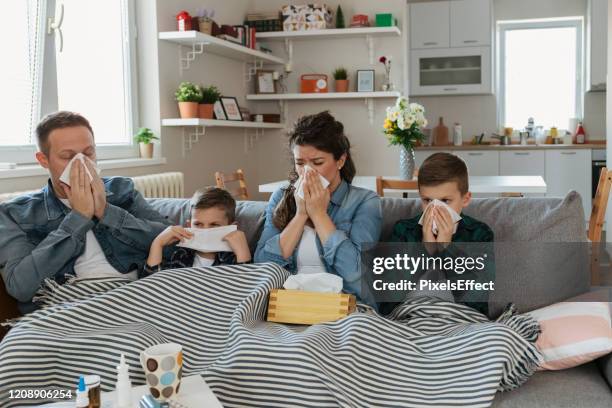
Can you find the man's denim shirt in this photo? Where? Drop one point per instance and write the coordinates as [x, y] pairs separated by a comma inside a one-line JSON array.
[[356, 213], [42, 238]]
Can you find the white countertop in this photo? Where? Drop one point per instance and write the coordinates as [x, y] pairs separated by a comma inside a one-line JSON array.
[[478, 184]]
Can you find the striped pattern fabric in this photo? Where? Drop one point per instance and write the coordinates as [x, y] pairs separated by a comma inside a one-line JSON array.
[[573, 333], [427, 353]]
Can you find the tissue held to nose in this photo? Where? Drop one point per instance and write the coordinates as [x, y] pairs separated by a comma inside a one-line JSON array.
[[299, 185], [437, 203], [65, 177]]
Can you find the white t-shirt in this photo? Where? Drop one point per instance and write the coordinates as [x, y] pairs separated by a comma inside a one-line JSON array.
[[201, 261], [308, 259], [92, 263]]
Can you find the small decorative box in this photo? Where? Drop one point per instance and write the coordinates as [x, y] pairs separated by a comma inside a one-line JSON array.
[[306, 17], [301, 307]]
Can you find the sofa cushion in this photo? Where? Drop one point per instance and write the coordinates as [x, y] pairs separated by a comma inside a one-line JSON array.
[[605, 365], [512, 219], [249, 215], [581, 386]]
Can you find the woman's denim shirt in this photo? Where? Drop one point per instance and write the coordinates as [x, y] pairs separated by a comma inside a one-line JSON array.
[[356, 212]]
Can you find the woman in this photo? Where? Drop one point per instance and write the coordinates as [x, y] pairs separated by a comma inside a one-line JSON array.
[[324, 230]]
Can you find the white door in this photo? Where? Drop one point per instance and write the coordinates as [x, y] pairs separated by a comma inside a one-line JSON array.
[[480, 163], [597, 45], [522, 163], [430, 25], [569, 169], [470, 23], [421, 155]]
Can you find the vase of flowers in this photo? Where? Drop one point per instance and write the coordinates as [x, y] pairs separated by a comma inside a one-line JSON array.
[[402, 127], [387, 85]]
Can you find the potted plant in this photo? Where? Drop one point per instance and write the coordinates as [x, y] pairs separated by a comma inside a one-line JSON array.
[[144, 138], [341, 78], [188, 96], [210, 95], [402, 127]]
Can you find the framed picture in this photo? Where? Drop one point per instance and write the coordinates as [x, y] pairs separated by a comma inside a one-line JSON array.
[[365, 80], [265, 83], [231, 108], [219, 112]]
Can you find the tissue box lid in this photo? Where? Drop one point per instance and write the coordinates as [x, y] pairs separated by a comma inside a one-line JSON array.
[[302, 307]]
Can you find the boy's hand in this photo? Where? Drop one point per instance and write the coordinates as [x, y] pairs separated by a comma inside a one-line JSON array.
[[428, 235], [171, 235], [445, 224], [238, 242]]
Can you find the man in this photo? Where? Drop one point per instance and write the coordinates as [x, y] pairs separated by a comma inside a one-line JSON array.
[[92, 228]]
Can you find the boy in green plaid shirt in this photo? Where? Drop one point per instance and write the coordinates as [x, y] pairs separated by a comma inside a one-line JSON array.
[[444, 177]]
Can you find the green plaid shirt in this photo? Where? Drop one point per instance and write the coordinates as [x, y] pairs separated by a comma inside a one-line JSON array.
[[468, 230]]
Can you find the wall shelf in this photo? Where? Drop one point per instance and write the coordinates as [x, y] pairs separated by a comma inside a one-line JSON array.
[[282, 99], [195, 128], [367, 33], [201, 43], [330, 33]]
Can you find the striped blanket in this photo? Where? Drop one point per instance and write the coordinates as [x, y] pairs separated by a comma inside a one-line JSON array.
[[426, 353]]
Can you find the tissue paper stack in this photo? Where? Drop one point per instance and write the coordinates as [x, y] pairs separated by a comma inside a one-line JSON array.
[[437, 203], [299, 184], [315, 282], [209, 239], [65, 177]]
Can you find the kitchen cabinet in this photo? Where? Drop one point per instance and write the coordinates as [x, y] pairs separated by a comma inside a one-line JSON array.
[[597, 45], [470, 23], [522, 163], [451, 71], [430, 25], [480, 163], [569, 169]]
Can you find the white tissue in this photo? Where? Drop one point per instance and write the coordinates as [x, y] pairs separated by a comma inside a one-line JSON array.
[[437, 203], [209, 239], [315, 282], [65, 177], [299, 185]]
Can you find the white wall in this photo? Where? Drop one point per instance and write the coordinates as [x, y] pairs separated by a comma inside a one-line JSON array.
[[478, 113], [371, 153]]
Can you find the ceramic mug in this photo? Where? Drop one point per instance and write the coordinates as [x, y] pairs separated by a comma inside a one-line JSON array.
[[163, 367]]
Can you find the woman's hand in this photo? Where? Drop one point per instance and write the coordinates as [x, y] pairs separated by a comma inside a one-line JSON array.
[[316, 197], [300, 205]]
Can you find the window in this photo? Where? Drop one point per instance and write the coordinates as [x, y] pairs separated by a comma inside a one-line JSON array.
[[540, 72], [85, 65]]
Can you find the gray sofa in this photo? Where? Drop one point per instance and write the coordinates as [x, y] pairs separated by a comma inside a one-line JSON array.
[[515, 221]]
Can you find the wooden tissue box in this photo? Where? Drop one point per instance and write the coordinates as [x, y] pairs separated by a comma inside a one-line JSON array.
[[301, 307]]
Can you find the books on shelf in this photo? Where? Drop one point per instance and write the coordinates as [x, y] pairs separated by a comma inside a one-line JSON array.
[[244, 36], [264, 22]]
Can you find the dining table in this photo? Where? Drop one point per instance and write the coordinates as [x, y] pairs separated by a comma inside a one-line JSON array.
[[478, 184]]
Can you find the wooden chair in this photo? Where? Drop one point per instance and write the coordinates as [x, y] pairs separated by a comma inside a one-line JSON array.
[[391, 184], [241, 192], [596, 221]]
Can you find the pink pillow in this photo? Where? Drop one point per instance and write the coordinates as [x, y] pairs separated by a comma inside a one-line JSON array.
[[573, 333]]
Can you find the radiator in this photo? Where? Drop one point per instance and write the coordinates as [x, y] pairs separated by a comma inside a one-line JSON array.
[[161, 185]]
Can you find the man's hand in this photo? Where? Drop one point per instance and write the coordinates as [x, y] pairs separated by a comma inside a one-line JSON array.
[[238, 242], [445, 224], [80, 193], [316, 197], [97, 188]]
